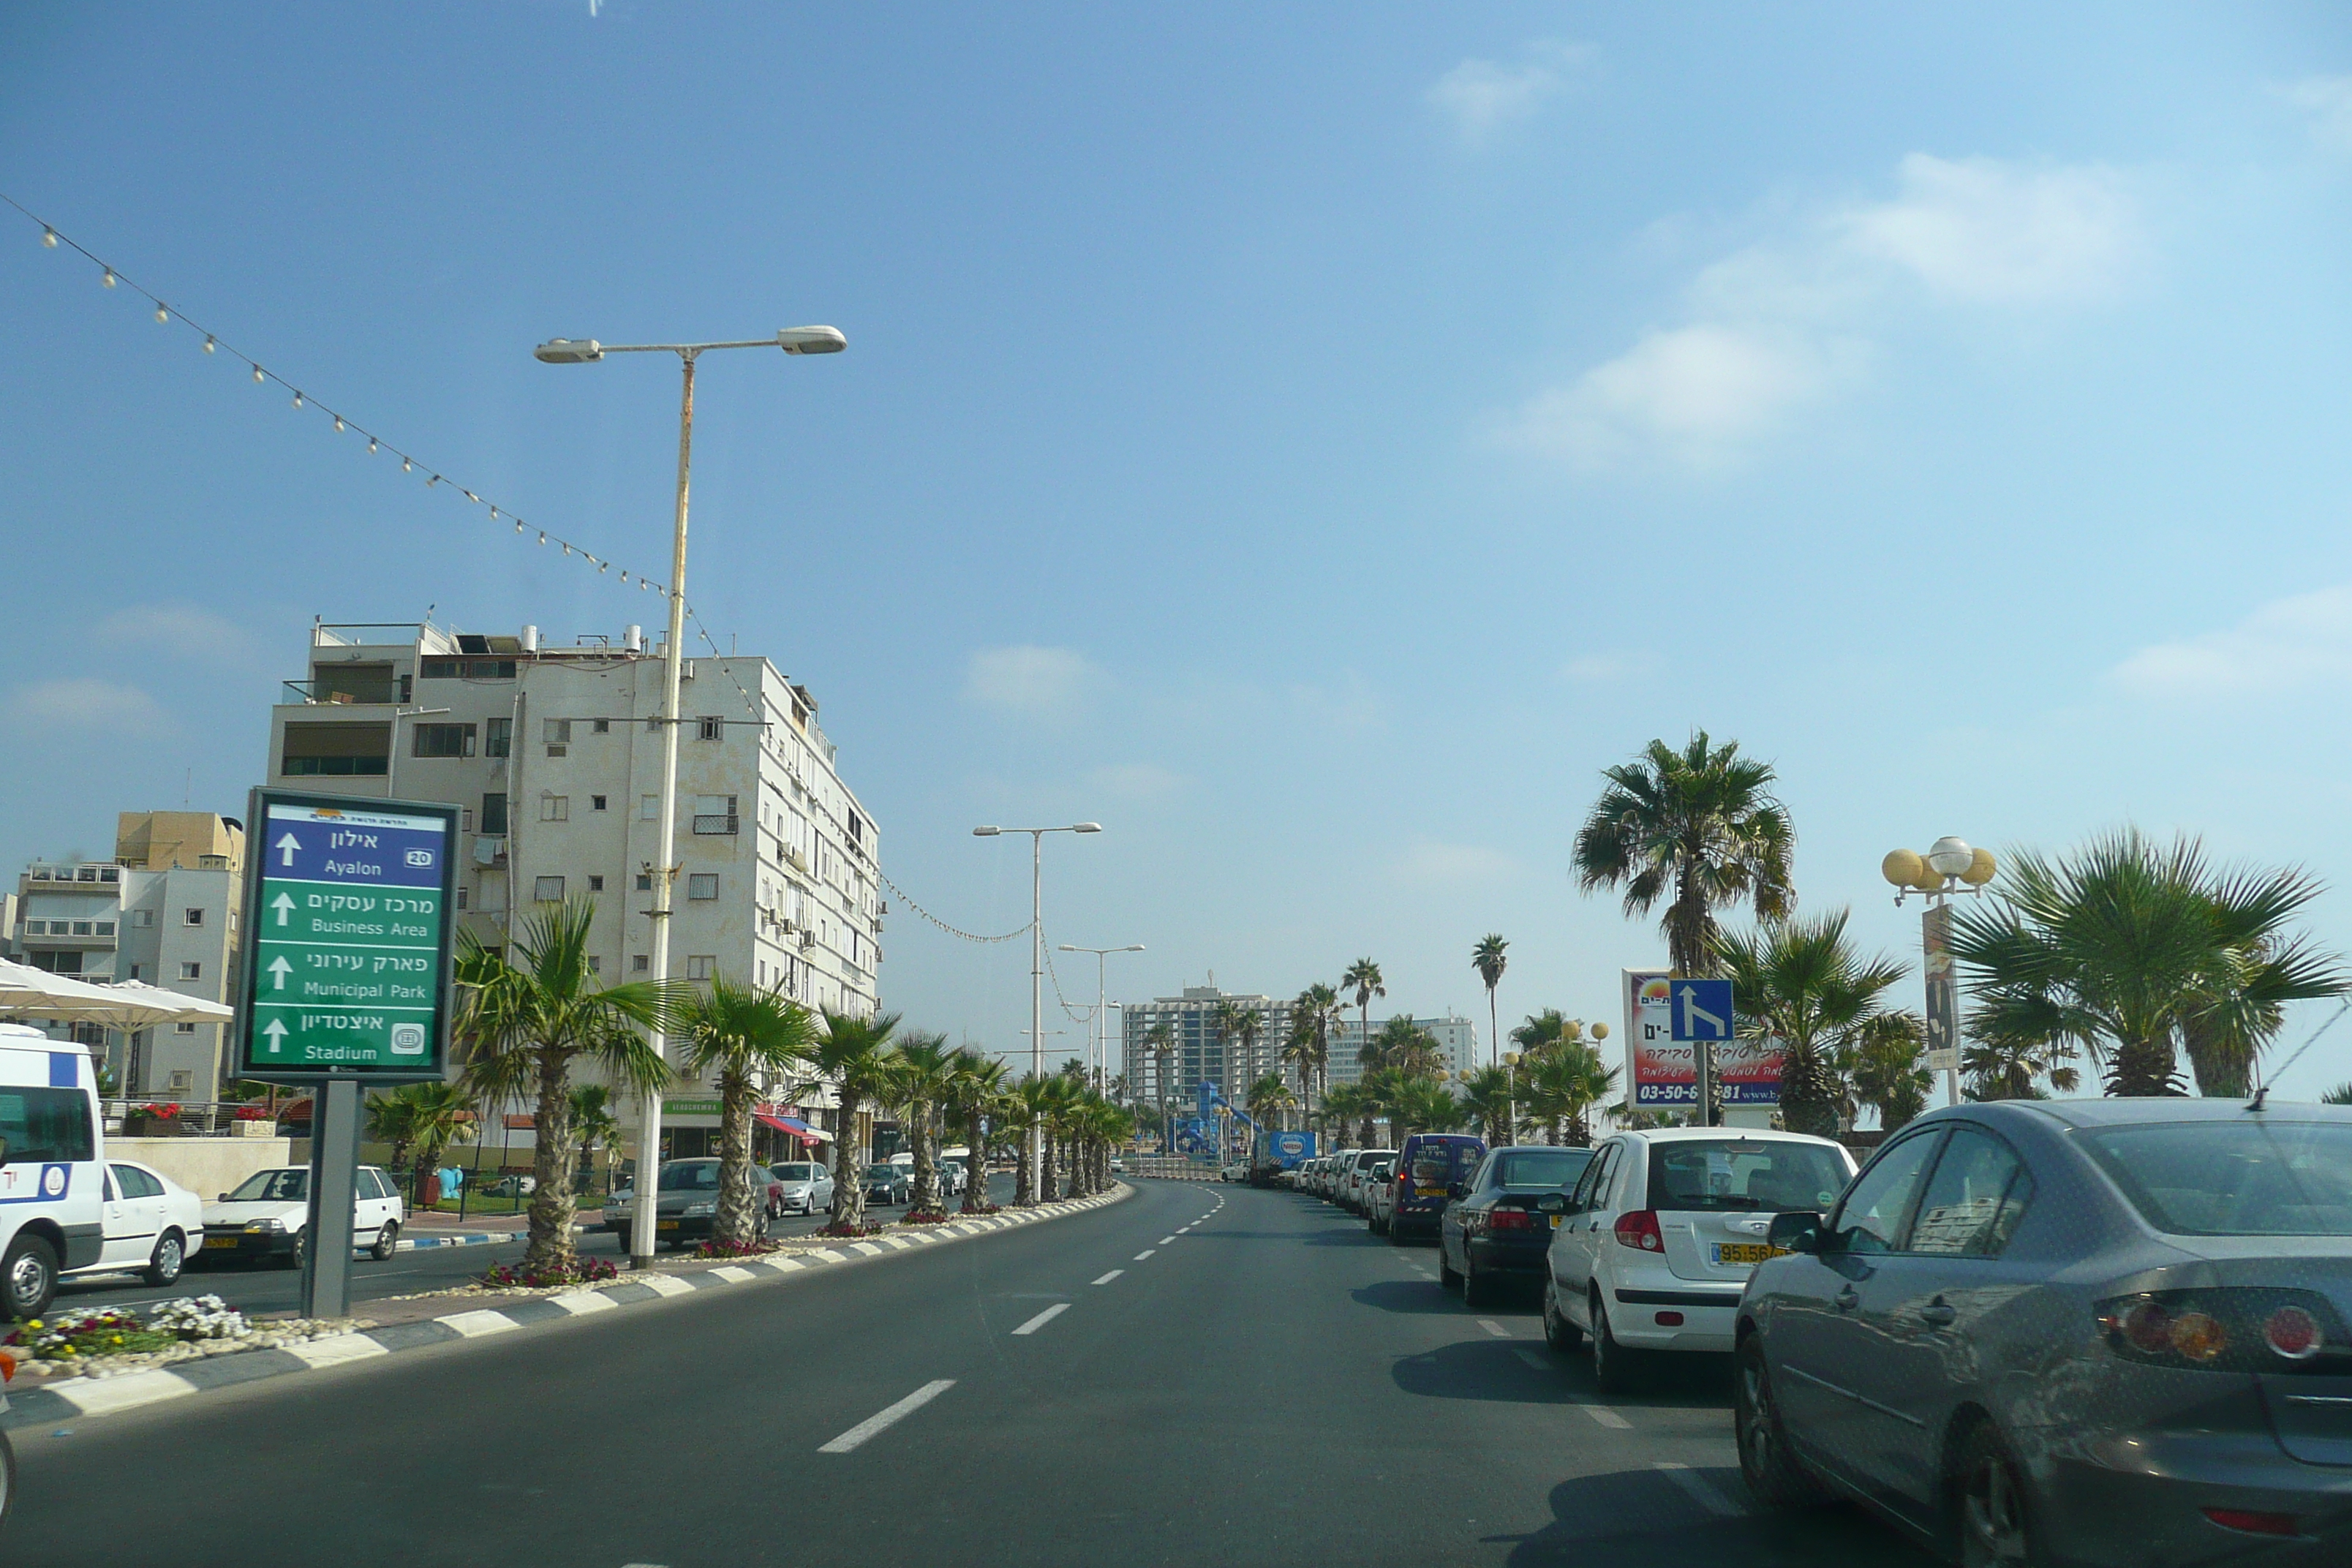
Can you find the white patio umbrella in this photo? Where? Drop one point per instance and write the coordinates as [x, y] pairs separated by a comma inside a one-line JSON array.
[[140, 1005], [29, 992]]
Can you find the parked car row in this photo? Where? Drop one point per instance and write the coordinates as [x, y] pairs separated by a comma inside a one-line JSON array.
[[2108, 1331]]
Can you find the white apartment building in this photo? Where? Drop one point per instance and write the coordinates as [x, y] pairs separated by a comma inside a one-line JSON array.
[[553, 755], [163, 910], [1201, 1049], [1456, 1037]]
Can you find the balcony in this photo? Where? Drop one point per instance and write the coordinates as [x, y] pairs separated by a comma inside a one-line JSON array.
[[716, 824], [93, 877]]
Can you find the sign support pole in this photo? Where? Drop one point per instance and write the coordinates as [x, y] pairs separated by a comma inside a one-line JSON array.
[[334, 1175]]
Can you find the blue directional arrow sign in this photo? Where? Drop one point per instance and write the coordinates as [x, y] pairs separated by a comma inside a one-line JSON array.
[[1702, 1010]]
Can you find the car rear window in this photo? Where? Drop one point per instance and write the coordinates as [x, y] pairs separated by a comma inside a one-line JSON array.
[[1541, 1167], [1370, 1157], [1738, 1174], [1438, 1161], [795, 1173], [2260, 1176], [702, 1175]]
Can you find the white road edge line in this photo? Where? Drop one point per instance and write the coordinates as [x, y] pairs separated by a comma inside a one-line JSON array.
[[881, 1419], [1044, 1318], [1702, 1490], [1111, 1275], [1145, 1253], [1494, 1328]]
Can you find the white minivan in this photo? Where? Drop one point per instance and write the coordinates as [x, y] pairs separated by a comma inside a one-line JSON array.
[[52, 1180]]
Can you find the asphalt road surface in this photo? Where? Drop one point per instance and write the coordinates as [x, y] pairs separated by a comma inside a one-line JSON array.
[[1202, 1373], [274, 1287]]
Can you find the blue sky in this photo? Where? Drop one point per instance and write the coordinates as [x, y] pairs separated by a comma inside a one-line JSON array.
[[1311, 440]]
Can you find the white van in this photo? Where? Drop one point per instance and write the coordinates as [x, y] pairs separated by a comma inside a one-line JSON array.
[[52, 1183]]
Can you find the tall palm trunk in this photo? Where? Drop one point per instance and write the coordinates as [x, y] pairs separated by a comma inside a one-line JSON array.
[[2144, 1069], [741, 1216], [975, 1160], [848, 1181], [1025, 1191], [551, 1207], [1809, 1092], [926, 1169]]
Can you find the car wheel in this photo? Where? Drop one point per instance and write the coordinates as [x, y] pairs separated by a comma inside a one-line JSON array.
[[1397, 1237], [292, 1256], [387, 1241], [1446, 1277], [1996, 1526], [1559, 1333], [171, 1256], [28, 1277], [1771, 1470], [1477, 1290], [1613, 1368]]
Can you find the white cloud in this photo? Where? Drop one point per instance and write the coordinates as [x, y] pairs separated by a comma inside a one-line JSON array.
[[1137, 781], [2328, 99], [181, 629], [2285, 647], [1788, 322], [1984, 232], [88, 704], [1038, 683], [1432, 864], [1481, 97]]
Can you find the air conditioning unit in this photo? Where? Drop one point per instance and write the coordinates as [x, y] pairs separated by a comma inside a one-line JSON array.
[[808, 940]]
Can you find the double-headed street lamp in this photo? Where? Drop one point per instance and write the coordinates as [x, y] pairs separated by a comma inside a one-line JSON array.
[[1099, 1061], [1948, 866], [1036, 963], [588, 350]]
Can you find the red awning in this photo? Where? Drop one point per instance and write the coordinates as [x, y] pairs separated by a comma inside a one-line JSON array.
[[792, 1125]]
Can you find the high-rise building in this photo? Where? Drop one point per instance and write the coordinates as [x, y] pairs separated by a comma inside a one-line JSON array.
[[1201, 1047], [553, 755], [163, 910], [1456, 1037]]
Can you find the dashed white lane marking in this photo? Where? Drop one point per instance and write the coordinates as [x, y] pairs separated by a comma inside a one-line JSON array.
[[886, 1417], [1145, 1253], [1702, 1490], [1607, 1417], [1532, 1359], [1165, 1240], [1494, 1328], [1111, 1275], [1044, 1318]]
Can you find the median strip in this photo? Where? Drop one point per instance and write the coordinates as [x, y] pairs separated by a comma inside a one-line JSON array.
[[888, 1417]]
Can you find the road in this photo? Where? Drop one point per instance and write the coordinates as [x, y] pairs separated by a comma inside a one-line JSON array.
[[268, 1288], [1197, 1374]]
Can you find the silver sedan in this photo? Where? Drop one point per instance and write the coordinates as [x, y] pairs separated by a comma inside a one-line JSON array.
[[2108, 1331]]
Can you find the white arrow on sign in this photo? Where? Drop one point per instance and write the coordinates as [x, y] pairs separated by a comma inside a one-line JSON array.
[[284, 904], [279, 970], [286, 847], [276, 1031], [1691, 1009]]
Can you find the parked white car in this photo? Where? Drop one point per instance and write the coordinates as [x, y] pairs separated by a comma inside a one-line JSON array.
[[266, 1217], [1326, 1186], [1353, 1175], [151, 1222], [807, 1185], [1656, 1240]]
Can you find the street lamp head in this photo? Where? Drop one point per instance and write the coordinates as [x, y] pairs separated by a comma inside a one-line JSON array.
[[569, 351], [1599, 1031], [1086, 827], [811, 340], [1950, 855], [1066, 947], [1981, 867], [986, 832], [1132, 947], [1901, 866]]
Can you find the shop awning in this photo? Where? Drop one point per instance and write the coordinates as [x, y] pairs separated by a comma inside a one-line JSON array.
[[795, 1126]]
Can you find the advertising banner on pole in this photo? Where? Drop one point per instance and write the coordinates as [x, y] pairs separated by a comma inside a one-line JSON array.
[[346, 914], [1661, 1075], [1943, 1002]]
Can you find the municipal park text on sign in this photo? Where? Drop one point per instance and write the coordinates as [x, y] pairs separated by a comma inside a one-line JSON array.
[[349, 937]]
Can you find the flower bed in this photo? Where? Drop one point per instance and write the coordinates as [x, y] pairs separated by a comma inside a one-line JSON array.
[[713, 1247], [584, 1271], [924, 1216], [112, 1340], [868, 1227]]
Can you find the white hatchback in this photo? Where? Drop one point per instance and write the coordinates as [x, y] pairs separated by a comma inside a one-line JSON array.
[[1651, 1249], [149, 1223]]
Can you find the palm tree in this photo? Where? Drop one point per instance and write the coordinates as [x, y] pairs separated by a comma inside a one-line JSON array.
[[1351, 1104], [2014, 1067], [925, 1069], [2137, 953], [855, 1058], [1800, 983], [1420, 1103], [1320, 1006], [1698, 828], [743, 1040], [1363, 978], [1486, 1100], [1161, 1038], [974, 1094], [1030, 1099], [1890, 1070], [392, 1118], [1404, 1045], [522, 1021], [1544, 1030], [1299, 1054], [441, 1114], [1270, 1097], [1238, 1028], [1487, 959], [1560, 1085], [592, 1121]]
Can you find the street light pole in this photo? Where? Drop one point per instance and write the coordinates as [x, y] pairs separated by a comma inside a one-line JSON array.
[[1949, 866], [1036, 1149], [588, 350], [1098, 1051]]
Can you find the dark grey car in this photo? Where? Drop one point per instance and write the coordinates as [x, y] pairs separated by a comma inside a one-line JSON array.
[[2100, 1331]]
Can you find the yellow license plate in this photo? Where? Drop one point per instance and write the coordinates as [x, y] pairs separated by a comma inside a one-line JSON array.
[[1745, 1252], [1429, 1192], [213, 1241], [1555, 1222], [665, 1224]]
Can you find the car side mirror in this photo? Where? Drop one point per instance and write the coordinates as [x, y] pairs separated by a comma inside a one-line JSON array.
[[1553, 1203], [1798, 1230]]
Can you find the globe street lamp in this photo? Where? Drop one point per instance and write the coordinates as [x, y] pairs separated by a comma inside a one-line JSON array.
[[1036, 968], [1950, 866], [588, 350]]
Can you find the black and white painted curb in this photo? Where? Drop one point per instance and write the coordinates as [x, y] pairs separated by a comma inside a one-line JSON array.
[[86, 1396]]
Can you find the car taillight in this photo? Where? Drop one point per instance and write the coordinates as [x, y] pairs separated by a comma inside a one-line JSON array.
[[7, 1367], [1510, 1219], [2255, 1523], [2237, 1328], [1639, 1229]]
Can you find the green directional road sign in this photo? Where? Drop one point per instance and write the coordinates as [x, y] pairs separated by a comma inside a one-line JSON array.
[[348, 931]]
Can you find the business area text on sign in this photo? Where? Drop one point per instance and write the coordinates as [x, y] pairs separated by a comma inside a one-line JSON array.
[[349, 922]]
